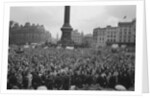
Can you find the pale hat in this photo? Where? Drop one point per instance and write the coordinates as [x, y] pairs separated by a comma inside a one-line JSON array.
[[42, 88], [120, 87]]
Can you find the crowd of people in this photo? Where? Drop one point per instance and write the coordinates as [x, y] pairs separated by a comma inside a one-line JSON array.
[[60, 69]]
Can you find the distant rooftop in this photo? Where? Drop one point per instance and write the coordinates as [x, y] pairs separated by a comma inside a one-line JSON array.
[[123, 23], [127, 23]]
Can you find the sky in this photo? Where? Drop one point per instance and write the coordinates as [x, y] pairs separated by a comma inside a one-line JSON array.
[[83, 18]]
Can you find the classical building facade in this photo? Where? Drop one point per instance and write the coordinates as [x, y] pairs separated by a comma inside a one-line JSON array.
[[88, 40], [111, 35], [99, 36], [124, 33], [127, 32], [28, 34], [77, 37]]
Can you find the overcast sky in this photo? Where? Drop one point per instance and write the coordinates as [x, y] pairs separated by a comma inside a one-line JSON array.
[[83, 18]]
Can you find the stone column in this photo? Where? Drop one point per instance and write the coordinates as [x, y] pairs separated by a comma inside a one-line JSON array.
[[66, 29]]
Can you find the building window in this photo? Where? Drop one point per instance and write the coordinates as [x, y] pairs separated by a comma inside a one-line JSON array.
[[125, 30], [120, 40], [124, 40], [108, 40], [129, 40], [120, 33], [125, 33], [129, 32], [124, 36]]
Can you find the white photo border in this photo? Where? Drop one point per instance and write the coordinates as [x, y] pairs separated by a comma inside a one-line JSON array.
[[139, 47]]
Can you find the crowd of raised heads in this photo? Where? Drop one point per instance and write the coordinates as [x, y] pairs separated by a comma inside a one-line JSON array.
[[78, 69]]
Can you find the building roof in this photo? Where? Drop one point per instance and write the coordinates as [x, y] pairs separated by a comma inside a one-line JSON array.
[[124, 23], [111, 27], [127, 23]]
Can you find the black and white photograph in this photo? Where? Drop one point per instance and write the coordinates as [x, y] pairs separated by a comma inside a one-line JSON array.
[[72, 48]]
